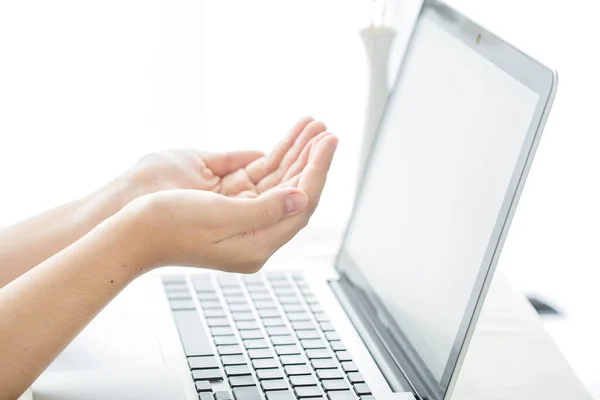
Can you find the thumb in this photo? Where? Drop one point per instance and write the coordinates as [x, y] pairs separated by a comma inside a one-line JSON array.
[[247, 214]]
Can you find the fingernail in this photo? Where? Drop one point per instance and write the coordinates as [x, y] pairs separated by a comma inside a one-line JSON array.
[[295, 202]]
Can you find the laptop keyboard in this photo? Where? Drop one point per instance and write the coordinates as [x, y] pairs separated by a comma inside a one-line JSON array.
[[261, 336]]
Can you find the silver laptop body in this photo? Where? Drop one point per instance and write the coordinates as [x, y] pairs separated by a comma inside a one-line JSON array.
[[392, 319]]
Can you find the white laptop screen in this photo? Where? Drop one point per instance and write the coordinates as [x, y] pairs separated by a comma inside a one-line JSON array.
[[447, 149]]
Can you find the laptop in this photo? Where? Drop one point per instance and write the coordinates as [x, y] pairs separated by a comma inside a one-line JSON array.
[[393, 316]]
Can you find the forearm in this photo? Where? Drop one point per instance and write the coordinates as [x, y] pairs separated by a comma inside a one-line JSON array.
[[28, 243], [44, 309]]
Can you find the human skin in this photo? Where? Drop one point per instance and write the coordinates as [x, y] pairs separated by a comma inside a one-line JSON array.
[[229, 212]]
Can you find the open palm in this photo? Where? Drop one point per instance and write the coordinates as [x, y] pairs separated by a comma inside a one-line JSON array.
[[235, 174]]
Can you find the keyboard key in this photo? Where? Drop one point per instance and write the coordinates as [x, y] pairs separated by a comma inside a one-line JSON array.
[[183, 295], [323, 363], [311, 299], [327, 326], [303, 380], [247, 393], [303, 325], [237, 370], [337, 345], [297, 370], [268, 313], [240, 308], [243, 316], [264, 304], [324, 374], [245, 380], [277, 277], [287, 349], [286, 339], [226, 280], [289, 308], [313, 344], [222, 395], [356, 377], [202, 284], [332, 336], [367, 397], [309, 334], [205, 396], [274, 384], [212, 322], [182, 305], [315, 308], [213, 312], [343, 356], [340, 395], [318, 353], [213, 374], [233, 360], [246, 325], [278, 331], [273, 322], [203, 386], [221, 340], [273, 373], [349, 366], [321, 317], [233, 292], [210, 304], [169, 280], [260, 295], [280, 395], [264, 363], [229, 350], [260, 353], [256, 344], [298, 316], [308, 391], [285, 291], [251, 334], [203, 362], [362, 388], [292, 359], [289, 299], [335, 384], [221, 331], [210, 296], [231, 300], [194, 337]]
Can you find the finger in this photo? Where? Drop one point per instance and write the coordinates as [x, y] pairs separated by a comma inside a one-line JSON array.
[[275, 177], [311, 181], [241, 215], [258, 169], [300, 163], [222, 164], [247, 194]]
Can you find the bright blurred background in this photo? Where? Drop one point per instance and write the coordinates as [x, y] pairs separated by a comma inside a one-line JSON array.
[[88, 87]]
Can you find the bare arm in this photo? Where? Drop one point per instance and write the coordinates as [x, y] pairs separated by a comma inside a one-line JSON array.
[[45, 308], [28, 243]]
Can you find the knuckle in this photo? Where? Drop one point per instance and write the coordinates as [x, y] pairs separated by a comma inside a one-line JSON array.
[[265, 217]]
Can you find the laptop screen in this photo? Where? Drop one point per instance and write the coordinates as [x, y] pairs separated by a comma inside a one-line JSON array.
[[448, 147]]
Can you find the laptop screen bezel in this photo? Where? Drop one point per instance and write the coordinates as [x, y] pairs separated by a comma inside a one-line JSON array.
[[533, 75]]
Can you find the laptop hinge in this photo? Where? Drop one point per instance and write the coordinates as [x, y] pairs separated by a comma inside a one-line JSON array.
[[397, 369]]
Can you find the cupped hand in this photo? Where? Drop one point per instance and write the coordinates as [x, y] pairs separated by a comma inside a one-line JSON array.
[[235, 234], [244, 173]]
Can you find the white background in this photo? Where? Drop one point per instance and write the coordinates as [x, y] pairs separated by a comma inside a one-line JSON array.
[[87, 87]]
